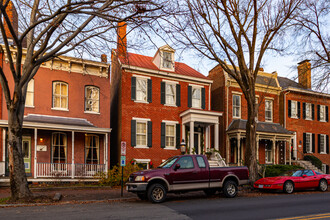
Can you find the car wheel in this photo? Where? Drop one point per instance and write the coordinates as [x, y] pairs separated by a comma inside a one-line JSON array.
[[230, 189], [142, 196], [210, 192], [288, 187], [156, 193], [323, 185]]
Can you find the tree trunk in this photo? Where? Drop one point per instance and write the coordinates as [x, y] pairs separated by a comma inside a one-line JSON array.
[[251, 127], [18, 182]]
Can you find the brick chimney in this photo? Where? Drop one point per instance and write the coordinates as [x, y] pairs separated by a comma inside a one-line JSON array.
[[13, 17], [121, 39], [304, 74]]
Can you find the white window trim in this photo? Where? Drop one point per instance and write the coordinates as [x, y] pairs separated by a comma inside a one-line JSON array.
[[30, 106], [142, 120], [324, 112], [271, 156], [236, 93], [240, 105], [310, 150], [174, 123], [309, 118], [196, 86], [174, 84], [140, 76], [324, 168], [324, 136], [60, 109], [295, 115], [147, 161], [272, 110], [92, 112], [200, 100], [145, 79], [170, 81], [170, 122], [67, 101], [162, 60]]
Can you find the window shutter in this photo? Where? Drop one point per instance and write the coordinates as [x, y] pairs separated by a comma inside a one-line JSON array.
[[189, 96], [319, 143], [162, 93], [327, 169], [203, 98], [149, 134], [178, 95], [326, 113], [327, 143], [304, 110], [133, 88], [298, 104], [149, 91], [289, 108], [162, 139], [304, 143], [318, 112], [133, 133], [313, 112], [313, 143], [177, 136]]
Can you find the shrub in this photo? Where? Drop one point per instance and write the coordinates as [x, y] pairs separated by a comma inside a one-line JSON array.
[[276, 170], [314, 160], [113, 177]]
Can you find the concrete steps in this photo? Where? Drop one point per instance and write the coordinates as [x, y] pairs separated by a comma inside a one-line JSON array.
[[308, 165]]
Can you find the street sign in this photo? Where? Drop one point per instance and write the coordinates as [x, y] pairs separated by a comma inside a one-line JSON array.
[[123, 148], [123, 161]]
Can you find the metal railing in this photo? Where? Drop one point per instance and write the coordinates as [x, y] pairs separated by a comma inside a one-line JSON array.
[[88, 170]]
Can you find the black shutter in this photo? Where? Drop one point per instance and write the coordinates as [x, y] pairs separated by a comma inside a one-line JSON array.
[[289, 108], [304, 143], [318, 112], [326, 113], [327, 169], [178, 136], [189, 96], [178, 95], [298, 104], [162, 135], [149, 134], [149, 90], [203, 98], [319, 143], [133, 133], [133, 88], [313, 143], [162, 93], [304, 110], [313, 112], [327, 143]]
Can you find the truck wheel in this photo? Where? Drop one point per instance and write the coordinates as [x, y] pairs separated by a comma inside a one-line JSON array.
[[142, 196], [288, 187], [230, 189], [156, 193], [210, 192], [323, 185]]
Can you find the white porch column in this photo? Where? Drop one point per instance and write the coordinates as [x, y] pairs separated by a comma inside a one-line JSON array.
[[4, 145], [106, 152], [238, 149], [289, 151], [216, 136], [227, 149], [72, 161], [35, 153], [207, 134], [191, 136], [183, 131], [273, 148], [257, 147]]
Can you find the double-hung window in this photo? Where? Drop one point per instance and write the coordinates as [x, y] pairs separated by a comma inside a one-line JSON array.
[[170, 94], [196, 97], [268, 153], [268, 110], [322, 143], [141, 89], [308, 111], [236, 106], [167, 60], [322, 113], [294, 109], [170, 136], [29, 99], [141, 133], [92, 99], [309, 143], [60, 95]]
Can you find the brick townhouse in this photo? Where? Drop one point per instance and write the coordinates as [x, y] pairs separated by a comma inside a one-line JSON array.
[[228, 98], [156, 103], [306, 113], [66, 125]]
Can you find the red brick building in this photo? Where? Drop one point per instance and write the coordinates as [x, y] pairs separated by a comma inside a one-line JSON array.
[[305, 112], [228, 98], [156, 103]]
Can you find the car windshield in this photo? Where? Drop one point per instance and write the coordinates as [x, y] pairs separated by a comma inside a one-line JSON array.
[[297, 173], [292, 173], [168, 163]]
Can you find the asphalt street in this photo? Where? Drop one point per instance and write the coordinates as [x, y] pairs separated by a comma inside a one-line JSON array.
[[267, 207]]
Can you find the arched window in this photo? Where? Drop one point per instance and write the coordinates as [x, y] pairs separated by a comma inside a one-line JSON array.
[[92, 99]]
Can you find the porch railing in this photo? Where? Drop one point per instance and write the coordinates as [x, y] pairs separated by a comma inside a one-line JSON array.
[[2, 168], [65, 170]]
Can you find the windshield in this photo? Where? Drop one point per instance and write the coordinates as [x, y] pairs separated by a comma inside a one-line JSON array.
[[168, 163], [297, 173], [292, 173]]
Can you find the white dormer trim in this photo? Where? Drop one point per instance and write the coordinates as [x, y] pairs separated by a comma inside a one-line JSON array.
[[158, 59]]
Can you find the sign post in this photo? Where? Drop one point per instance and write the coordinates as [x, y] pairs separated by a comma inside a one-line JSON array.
[[122, 164]]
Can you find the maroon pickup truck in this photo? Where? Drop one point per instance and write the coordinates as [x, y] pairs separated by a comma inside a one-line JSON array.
[[186, 173]]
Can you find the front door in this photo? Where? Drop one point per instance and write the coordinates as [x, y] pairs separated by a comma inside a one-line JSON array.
[[281, 153], [26, 150], [197, 143]]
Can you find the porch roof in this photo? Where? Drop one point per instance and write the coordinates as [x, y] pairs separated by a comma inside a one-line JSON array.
[[198, 115], [58, 123], [265, 127]]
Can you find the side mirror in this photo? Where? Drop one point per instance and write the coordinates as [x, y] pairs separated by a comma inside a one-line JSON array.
[[304, 176], [177, 166]]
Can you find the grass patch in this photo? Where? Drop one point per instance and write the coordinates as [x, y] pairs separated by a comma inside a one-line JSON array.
[[4, 200]]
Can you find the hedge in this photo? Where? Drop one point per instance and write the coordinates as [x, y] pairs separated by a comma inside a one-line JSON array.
[[276, 170]]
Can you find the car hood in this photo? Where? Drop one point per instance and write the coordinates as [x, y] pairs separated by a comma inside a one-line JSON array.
[[269, 180], [149, 172]]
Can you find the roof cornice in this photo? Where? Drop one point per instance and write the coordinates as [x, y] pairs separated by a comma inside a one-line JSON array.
[[306, 91]]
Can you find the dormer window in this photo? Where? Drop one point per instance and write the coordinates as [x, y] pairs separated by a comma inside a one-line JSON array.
[[167, 60], [164, 58]]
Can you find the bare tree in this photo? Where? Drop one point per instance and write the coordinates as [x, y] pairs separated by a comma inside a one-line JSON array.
[[239, 31], [48, 29], [313, 39]]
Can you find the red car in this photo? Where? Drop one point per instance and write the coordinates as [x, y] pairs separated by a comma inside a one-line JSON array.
[[300, 179]]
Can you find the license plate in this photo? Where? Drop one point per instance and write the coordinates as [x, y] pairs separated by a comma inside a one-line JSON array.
[[261, 186]]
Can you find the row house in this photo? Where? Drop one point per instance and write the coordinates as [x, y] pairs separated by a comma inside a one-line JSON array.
[[228, 98], [306, 113], [157, 104], [66, 125]]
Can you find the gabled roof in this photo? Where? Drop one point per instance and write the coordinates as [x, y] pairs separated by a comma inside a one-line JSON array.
[[146, 62], [286, 82]]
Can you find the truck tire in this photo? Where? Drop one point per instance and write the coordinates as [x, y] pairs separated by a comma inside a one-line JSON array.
[[210, 192], [142, 196], [157, 193], [288, 187], [230, 189], [323, 185]]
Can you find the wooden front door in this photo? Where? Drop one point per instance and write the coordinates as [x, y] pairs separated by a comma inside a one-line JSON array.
[[281, 147]]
